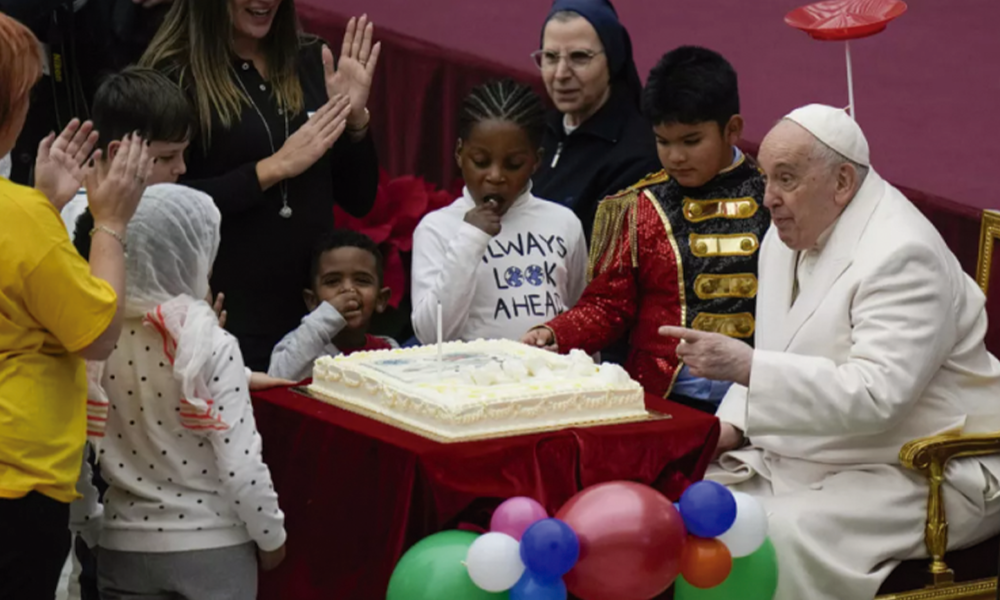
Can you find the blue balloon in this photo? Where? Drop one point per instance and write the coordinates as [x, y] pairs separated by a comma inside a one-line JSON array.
[[549, 549], [708, 509], [530, 587]]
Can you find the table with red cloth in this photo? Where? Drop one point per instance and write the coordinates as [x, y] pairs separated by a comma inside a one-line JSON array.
[[358, 493]]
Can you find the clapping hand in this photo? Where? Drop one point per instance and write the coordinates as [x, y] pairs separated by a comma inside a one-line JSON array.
[[61, 166], [712, 355], [353, 73], [311, 141], [113, 198]]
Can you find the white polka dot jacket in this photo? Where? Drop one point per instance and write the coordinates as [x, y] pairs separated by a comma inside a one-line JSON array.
[[181, 477]]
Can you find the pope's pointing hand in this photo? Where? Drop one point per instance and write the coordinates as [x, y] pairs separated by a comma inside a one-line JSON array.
[[712, 355]]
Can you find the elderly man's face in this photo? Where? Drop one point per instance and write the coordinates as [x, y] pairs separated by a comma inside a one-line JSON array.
[[802, 193]]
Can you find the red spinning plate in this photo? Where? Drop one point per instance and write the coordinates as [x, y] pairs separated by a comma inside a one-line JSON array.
[[833, 20]]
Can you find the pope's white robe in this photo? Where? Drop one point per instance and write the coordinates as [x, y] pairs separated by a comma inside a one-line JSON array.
[[883, 345]]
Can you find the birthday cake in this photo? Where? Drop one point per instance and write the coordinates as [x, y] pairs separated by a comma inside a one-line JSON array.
[[478, 389]]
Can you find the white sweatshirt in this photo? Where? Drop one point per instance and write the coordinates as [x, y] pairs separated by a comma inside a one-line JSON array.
[[178, 480], [496, 287]]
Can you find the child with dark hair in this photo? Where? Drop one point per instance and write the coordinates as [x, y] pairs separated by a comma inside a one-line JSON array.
[[135, 100], [499, 260], [679, 247], [345, 291]]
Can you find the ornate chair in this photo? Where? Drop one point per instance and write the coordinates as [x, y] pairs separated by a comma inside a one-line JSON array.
[[974, 576]]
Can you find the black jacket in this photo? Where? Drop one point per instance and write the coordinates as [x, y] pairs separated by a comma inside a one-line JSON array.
[[609, 152]]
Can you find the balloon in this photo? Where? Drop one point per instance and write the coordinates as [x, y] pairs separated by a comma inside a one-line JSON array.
[[750, 528], [631, 539], [515, 515], [530, 587], [708, 508], [753, 577], [549, 548], [706, 562], [432, 569], [494, 562]]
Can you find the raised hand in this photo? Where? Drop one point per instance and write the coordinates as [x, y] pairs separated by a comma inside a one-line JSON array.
[[304, 147], [114, 197], [61, 163], [352, 75], [541, 337], [485, 217]]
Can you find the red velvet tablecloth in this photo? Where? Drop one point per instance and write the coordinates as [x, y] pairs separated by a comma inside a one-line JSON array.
[[358, 493]]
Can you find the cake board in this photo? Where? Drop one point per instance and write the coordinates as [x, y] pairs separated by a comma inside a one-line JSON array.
[[650, 415]]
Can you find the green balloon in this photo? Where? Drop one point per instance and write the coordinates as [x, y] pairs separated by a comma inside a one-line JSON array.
[[753, 577], [433, 570]]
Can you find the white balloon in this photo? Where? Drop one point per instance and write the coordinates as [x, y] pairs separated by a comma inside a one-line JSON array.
[[494, 562], [750, 529]]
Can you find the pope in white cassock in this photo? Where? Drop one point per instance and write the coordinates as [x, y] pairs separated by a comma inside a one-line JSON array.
[[869, 335]]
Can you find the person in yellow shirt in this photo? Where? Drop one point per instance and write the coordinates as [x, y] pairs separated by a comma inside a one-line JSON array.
[[55, 312]]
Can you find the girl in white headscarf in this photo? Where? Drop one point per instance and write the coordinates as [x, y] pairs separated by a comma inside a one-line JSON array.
[[190, 504]]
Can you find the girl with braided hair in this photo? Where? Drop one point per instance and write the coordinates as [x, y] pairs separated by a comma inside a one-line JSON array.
[[499, 260]]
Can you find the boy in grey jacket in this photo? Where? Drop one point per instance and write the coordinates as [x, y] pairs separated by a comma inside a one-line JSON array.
[[346, 279]]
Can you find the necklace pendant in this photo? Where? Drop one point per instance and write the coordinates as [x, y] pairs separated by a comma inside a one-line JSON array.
[[286, 212]]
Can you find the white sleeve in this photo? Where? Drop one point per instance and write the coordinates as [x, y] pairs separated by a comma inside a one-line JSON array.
[[576, 263], [72, 211], [903, 330], [294, 355], [245, 477], [444, 269]]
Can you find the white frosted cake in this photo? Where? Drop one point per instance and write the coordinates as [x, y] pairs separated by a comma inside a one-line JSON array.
[[478, 389]]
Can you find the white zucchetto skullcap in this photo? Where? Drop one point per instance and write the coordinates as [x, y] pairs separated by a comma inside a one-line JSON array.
[[835, 128]]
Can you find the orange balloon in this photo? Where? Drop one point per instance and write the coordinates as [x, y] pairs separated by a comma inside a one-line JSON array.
[[705, 563]]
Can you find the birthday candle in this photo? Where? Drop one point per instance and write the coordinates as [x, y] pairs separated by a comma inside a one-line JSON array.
[[439, 334]]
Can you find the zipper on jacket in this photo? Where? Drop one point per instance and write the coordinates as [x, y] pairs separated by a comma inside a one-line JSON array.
[[555, 158]]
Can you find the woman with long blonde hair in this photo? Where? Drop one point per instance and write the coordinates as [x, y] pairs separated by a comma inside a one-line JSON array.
[[283, 135]]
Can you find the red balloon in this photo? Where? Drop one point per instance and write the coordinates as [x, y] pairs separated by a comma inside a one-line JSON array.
[[631, 541], [706, 562]]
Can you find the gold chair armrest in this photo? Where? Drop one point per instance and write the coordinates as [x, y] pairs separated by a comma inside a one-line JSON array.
[[930, 457]]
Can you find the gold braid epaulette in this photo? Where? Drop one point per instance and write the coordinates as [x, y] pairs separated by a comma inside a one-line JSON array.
[[610, 219]]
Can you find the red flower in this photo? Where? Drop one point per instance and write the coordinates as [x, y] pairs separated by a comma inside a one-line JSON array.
[[399, 205]]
